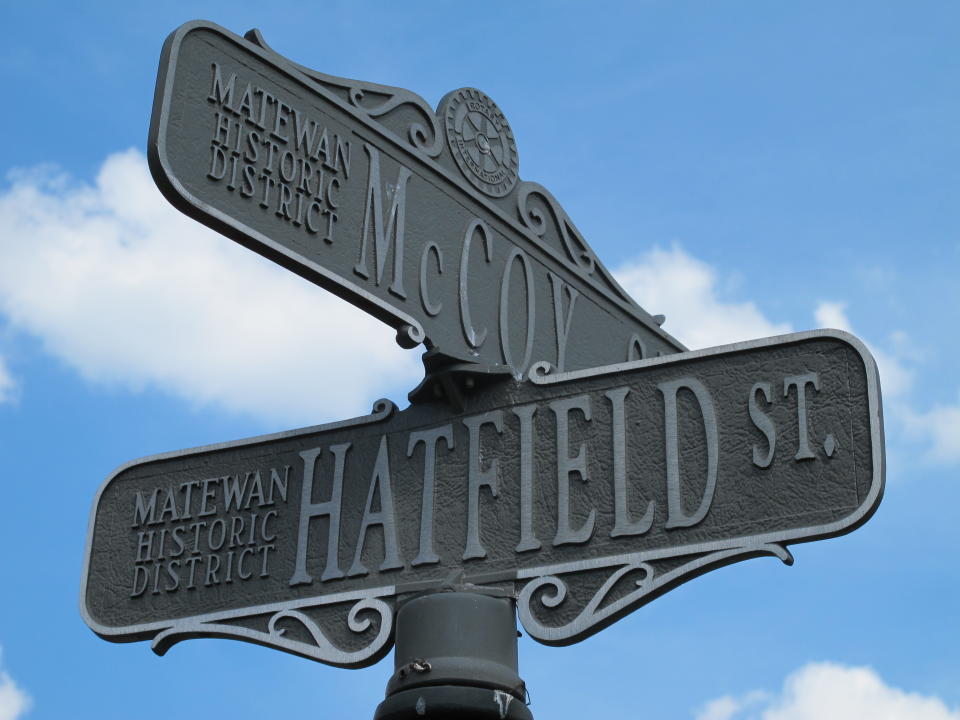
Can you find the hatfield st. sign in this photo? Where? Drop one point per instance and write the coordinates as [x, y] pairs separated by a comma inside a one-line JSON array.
[[563, 451], [583, 494]]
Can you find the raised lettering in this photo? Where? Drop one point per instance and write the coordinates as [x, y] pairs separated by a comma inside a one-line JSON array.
[[636, 350], [566, 466], [379, 484], [562, 320], [763, 423], [432, 309], [431, 442], [218, 163], [478, 478], [220, 93], [373, 221], [473, 336], [139, 573], [169, 507], [676, 516], [209, 493], [800, 382], [516, 254], [528, 540], [310, 510], [233, 491], [278, 485], [144, 511], [623, 525]]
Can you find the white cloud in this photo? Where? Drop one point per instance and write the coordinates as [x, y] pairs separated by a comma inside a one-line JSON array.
[[14, 702], [827, 691], [941, 427], [8, 386], [895, 377], [130, 292], [723, 708], [832, 315], [685, 289], [728, 707], [938, 427]]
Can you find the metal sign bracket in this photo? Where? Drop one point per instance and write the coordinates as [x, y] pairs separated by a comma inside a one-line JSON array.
[[451, 379]]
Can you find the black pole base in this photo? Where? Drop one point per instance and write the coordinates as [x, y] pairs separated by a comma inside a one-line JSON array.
[[452, 702], [455, 658]]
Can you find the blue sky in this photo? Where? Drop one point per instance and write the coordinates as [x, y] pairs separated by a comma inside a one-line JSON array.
[[746, 168]]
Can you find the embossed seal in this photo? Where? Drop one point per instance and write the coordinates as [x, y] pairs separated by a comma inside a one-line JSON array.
[[481, 141]]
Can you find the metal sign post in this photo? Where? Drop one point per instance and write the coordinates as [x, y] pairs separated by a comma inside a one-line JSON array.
[[456, 655], [562, 461]]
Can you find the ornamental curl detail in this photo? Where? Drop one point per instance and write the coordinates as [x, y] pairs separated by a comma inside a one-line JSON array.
[[373, 100], [533, 219], [549, 588], [542, 215], [326, 651], [363, 612], [427, 140], [550, 591]]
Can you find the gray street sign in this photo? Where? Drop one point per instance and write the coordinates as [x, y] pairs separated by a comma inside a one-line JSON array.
[[418, 217], [583, 495]]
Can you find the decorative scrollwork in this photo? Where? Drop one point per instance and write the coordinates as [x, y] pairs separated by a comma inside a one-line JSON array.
[[428, 141], [407, 117], [539, 370], [272, 633], [323, 649], [547, 589], [543, 216], [530, 215], [409, 335], [375, 101]]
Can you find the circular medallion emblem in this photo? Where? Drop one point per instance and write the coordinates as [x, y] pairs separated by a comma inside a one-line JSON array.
[[481, 141]]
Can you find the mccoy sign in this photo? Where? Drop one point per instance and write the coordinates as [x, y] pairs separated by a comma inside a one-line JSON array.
[[418, 218]]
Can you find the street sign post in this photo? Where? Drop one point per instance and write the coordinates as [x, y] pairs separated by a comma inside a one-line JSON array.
[[584, 495], [564, 459]]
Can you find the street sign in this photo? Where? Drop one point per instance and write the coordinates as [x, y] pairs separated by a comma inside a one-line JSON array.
[[418, 217], [583, 495], [564, 456]]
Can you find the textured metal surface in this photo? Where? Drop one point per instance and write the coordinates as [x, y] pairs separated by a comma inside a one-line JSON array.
[[443, 702], [417, 217], [456, 638], [583, 495]]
